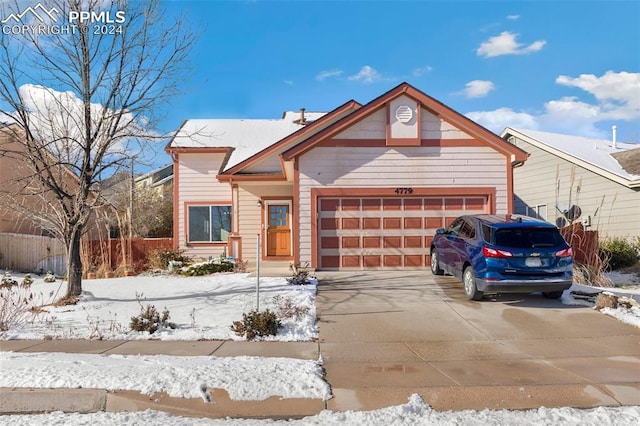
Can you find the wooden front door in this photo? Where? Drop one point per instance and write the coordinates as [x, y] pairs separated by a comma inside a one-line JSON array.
[[278, 230]]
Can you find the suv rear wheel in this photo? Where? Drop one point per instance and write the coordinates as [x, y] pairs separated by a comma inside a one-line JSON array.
[[470, 288], [552, 294]]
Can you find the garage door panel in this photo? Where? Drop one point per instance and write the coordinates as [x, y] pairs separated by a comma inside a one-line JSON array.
[[385, 232]]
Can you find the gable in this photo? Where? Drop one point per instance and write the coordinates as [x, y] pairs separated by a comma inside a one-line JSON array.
[[405, 116]]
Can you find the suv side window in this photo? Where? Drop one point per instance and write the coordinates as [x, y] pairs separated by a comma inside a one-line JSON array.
[[468, 230], [486, 232], [454, 228]]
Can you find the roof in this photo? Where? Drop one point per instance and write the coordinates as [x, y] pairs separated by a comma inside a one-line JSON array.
[[438, 108], [596, 155], [245, 136], [629, 160]]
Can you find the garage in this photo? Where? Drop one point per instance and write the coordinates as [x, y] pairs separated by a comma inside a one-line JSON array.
[[386, 232]]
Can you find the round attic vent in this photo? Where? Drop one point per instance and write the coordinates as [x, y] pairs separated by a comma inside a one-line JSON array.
[[404, 113]]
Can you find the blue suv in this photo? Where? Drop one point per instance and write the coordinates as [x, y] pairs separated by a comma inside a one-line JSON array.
[[503, 254]]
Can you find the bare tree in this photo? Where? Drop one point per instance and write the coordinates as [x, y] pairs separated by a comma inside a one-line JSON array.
[[82, 89]]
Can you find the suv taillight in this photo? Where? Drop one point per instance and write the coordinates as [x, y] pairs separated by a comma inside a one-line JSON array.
[[491, 252], [568, 252]]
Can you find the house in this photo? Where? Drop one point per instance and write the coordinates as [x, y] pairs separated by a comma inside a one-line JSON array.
[[160, 180], [359, 187], [26, 212], [572, 178]]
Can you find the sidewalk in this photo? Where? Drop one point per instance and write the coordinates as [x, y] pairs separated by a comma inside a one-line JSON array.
[[23, 400]]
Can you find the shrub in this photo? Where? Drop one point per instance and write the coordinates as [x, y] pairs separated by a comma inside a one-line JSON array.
[[49, 277], [207, 268], [150, 320], [257, 324], [15, 306], [617, 253], [300, 275], [160, 258], [7, 280], [285, 308], [27, 280]]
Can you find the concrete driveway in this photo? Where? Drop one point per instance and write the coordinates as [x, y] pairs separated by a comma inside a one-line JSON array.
[[387, 335]]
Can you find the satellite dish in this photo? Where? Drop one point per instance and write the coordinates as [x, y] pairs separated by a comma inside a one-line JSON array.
[[573, 213]]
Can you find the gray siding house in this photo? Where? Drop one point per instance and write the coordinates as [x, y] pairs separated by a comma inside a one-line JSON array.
[[571, 178]]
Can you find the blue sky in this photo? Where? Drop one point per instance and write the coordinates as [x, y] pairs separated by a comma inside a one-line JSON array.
[[563, 66]]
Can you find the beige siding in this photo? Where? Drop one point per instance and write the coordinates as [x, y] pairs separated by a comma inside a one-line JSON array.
[[399, 129], [436, 128], [250, 224], [401, 167], [271, 164], [371, 127], [198, 183], [545, 179]]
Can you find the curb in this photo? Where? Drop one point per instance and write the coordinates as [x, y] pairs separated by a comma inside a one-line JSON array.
[[33, 400]]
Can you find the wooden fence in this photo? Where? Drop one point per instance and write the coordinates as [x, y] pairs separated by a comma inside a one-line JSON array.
[[583, 243], [32, 253], [37, 254], [111, 252]]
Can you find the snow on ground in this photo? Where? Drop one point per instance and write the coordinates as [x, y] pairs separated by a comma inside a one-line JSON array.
[[243, 377], [202, 307], [415, 412]]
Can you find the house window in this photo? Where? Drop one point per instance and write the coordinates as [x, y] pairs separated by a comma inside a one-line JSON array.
[[209, 223], [539, 211]]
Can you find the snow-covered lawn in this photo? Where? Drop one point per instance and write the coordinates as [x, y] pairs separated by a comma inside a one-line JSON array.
[[201, 307]]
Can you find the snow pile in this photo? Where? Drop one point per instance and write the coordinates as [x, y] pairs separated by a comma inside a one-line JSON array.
[[243, 377]]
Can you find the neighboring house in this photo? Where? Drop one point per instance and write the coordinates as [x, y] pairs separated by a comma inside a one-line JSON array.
[[160, 180], [360, 187], [567, 178]]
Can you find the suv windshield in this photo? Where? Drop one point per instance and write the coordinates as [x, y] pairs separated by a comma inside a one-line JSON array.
[[528, 237]]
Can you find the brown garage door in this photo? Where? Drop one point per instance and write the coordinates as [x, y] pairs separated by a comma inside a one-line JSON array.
[[385, 233]]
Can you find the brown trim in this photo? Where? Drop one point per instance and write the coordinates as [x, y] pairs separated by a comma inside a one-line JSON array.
[[296, 212], [439, 109], [186, 206], [509, 186], [403, 142], [381, 143], [387, 127], [176, 200], [201, 150], [251, 178], [300, 133], [263, 228], [316, 193]]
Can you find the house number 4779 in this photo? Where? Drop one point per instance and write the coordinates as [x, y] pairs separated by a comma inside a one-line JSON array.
[[403, 191]]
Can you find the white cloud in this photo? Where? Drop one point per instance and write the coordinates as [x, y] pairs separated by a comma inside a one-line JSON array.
[[323, 75], [618, 94], [513, 17], [500, 118], [367, 75], [617, 98], [506, 44], [419, 72], [478, 88]]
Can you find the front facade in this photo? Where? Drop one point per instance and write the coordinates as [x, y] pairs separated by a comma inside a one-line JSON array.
[[361, 187], [575, 179]]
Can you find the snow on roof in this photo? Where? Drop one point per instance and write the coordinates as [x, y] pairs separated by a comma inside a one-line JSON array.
[[597, 152], [246, 136]]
